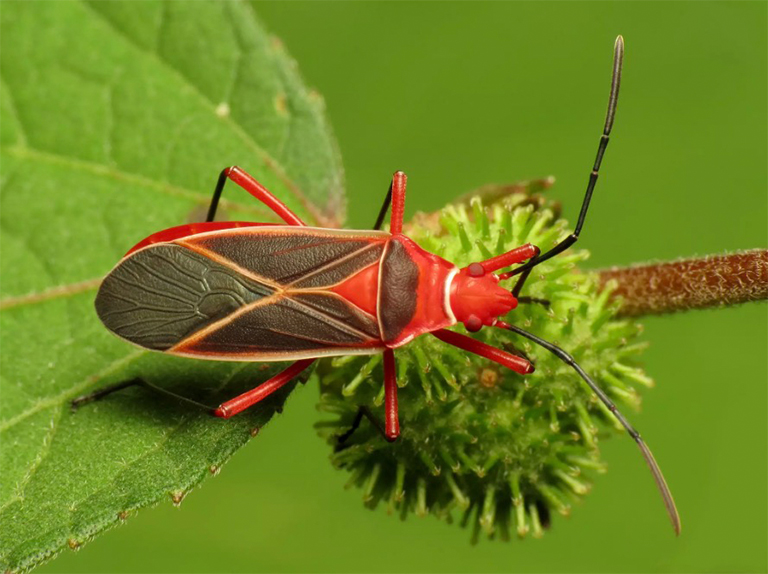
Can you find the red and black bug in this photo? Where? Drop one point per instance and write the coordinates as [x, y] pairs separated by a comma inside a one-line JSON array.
[[244, 291]]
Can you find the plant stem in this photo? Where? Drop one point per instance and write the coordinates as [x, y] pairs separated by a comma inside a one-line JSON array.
[[700, 283]]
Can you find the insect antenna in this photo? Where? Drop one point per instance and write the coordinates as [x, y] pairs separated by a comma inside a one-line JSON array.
[[666, 495], [618, 59]]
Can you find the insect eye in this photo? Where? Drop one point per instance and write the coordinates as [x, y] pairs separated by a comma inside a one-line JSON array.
[[473, 323], [475, 270]]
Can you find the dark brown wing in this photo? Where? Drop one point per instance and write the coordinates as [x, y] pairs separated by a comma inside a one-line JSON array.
[[244, 294], [293, 257]]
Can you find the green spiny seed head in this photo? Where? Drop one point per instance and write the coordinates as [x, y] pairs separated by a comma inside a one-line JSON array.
[[499, 449]]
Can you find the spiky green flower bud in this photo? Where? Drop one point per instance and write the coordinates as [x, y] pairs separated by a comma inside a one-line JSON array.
[[500, 450]]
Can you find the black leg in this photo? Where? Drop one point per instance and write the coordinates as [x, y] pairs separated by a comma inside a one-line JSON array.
[[217, 195], [103, 392], [618, 58], [362, 411], [384, 208]]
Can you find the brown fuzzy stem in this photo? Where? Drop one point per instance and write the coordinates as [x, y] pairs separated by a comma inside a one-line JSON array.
[[712, 281]]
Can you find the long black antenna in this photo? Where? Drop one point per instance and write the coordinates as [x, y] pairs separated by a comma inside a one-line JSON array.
[[666, 495], [618, 60]]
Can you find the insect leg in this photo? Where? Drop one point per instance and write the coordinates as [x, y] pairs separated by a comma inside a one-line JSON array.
[[618, 58], [250, 398], [666, 495], [517, 364], [537, 300], [391, 421], [384, 208], [225, 410], [395, 196], [108, 390], [362, 411], [516, 255], [257, 190]]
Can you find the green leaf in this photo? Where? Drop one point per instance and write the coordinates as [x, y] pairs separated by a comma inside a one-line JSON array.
[[116, 120]]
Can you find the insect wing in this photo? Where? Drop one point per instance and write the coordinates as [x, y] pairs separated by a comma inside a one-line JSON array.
[[258, 294]]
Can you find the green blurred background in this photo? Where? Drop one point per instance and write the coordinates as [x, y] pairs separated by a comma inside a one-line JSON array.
[[462, 94]]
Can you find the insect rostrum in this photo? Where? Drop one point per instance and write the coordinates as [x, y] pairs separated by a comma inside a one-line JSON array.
[[479, 442]]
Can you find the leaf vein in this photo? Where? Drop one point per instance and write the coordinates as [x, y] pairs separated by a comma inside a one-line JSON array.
[[119, 175], [23, 141], [18, 493], [49, 294]]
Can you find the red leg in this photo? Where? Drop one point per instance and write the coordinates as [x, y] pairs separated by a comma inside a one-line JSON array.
[[257, 190], [517, 255], [517, 364], [395, 197], [391, 421], [250, 398], [398, 203]]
